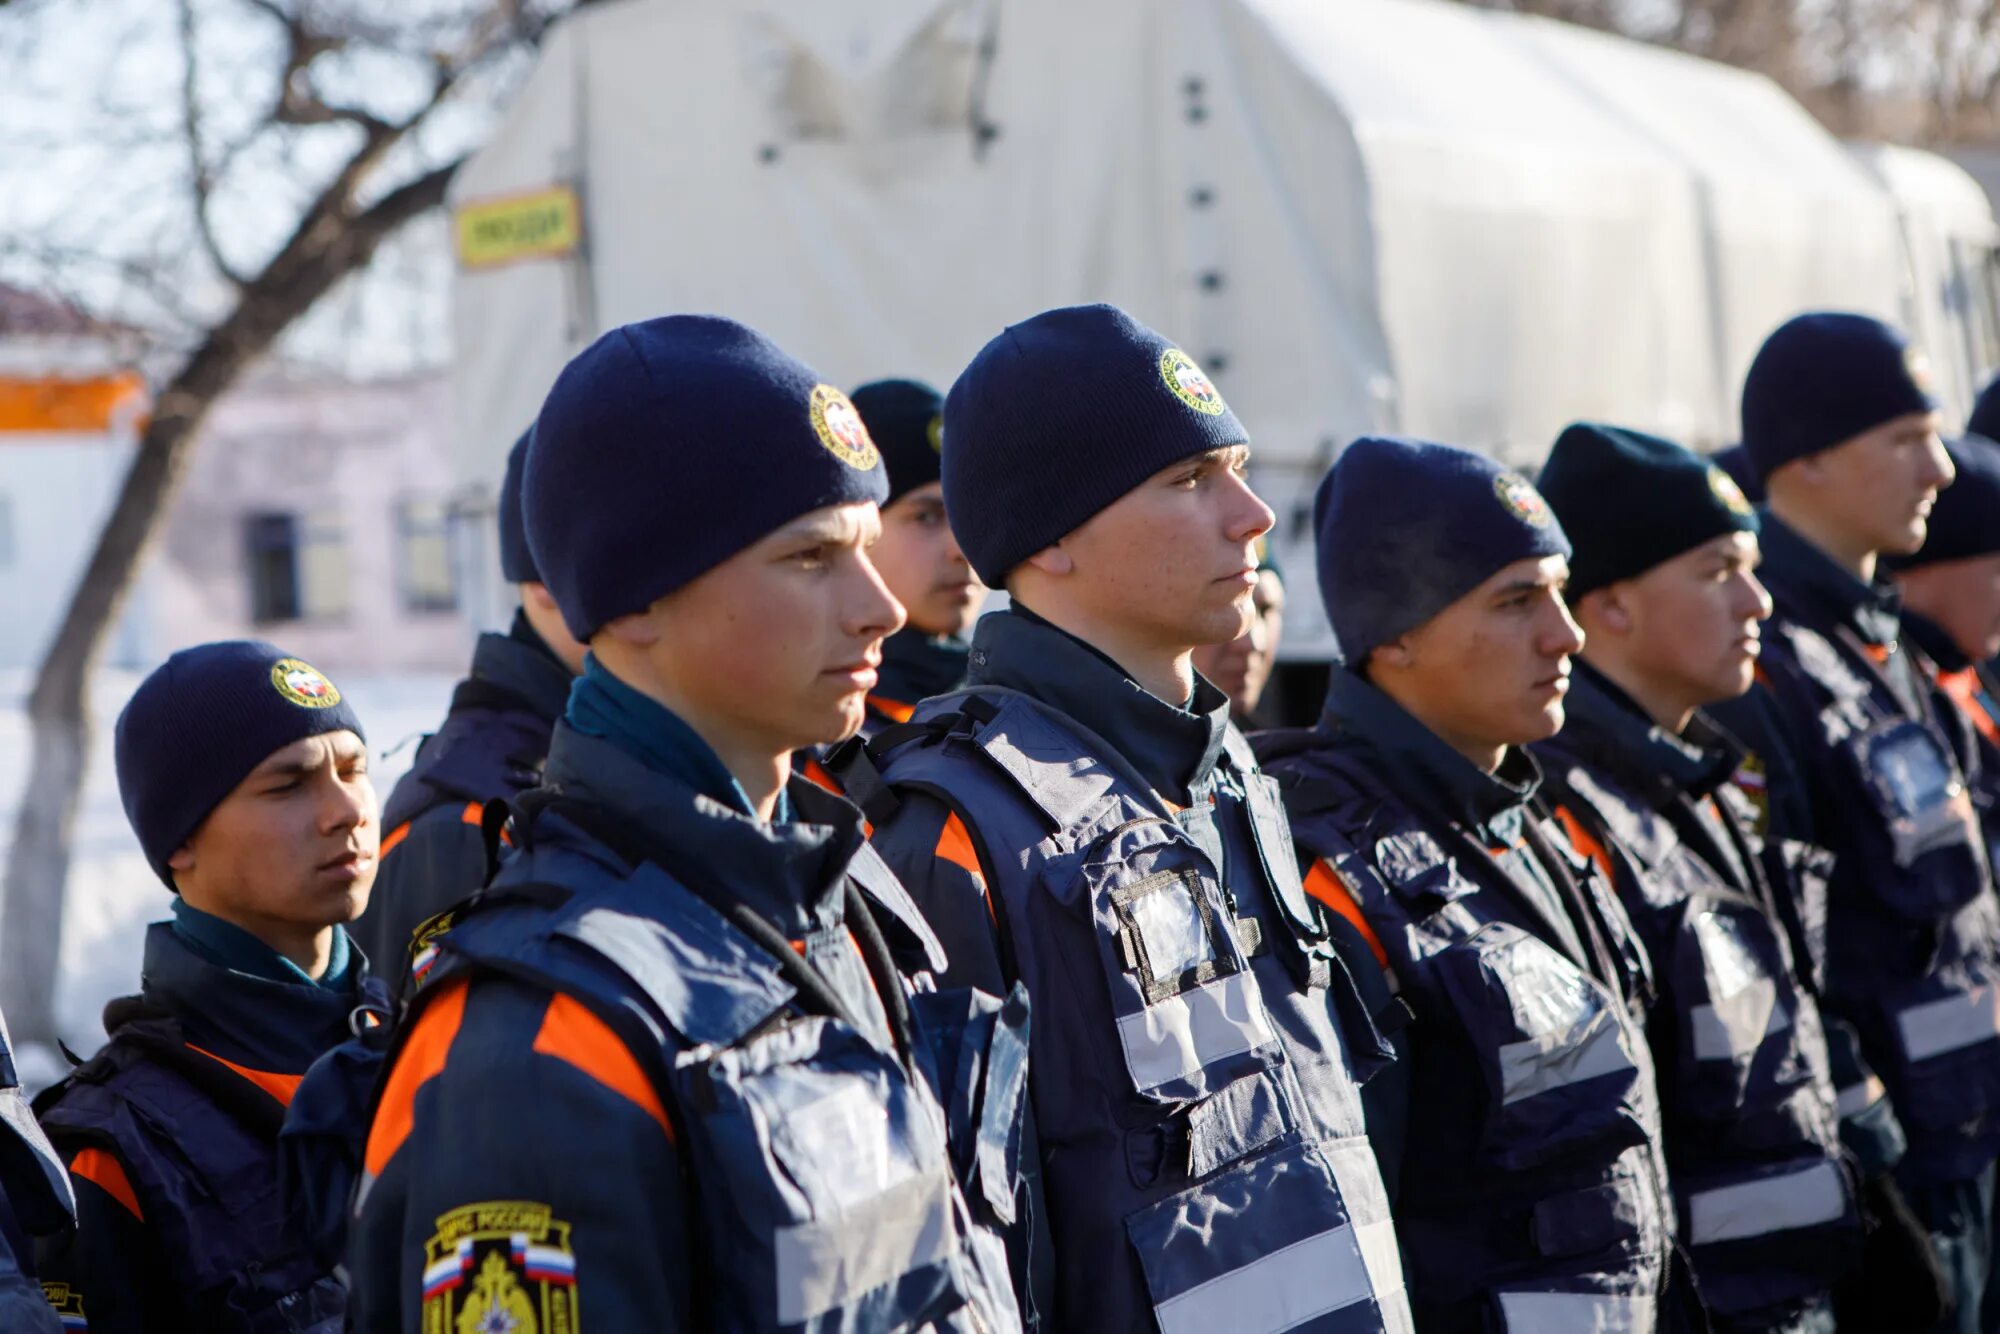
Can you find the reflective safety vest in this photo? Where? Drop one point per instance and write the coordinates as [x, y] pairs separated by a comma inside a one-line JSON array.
[[1766, 1199], [1912, 926], [1533, 1196], [200, 1150], [838, 1186], [1203, 1153], [36, 1199]]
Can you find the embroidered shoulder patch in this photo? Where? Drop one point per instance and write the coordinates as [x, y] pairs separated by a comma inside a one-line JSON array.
[[68, 1304], [1518, 494], [840, 428], [500, 1267], [302, 684], [1190, 384]]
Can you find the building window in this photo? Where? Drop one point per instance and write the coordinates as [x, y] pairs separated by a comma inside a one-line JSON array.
[[423, 556], [298, 567]]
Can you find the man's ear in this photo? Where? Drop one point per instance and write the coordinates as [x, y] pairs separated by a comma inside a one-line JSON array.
[[1053, 560], [182, 858], [1605, 610], [640, 629], [541, 597], [1398, 654]]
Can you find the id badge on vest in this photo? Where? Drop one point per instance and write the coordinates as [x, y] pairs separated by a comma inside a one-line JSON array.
[[1917, 788]]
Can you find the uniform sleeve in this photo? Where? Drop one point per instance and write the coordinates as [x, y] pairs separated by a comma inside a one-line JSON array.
[[438, 859], [1777, 781], [519, 1160], [108, 1275], [23, 1308], [932, 852]]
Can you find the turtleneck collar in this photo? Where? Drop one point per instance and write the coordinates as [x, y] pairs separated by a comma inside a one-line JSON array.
[[1421, 766], [1174, 749], [1799, 573], [227, 945], [265, 1021], [602, 706]]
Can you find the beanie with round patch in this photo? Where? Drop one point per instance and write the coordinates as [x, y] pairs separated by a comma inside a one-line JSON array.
[[1059, 416], [1824, 378], [1405, 528], [666, 447], [1628, 501], [201, 722]]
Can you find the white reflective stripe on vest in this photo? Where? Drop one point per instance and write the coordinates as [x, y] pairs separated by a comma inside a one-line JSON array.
[[1577, 1313], [1557, 1060], [1858, 1098], [1805, 1198], [1274, 1292], [824, 1265], [1183, 1033], [1946, 1025], [1734, 1028]]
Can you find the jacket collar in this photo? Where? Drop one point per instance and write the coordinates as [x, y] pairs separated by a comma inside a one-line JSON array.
[[1174, 749], [1932, 638], [790, 871], [1421, 767], [1810, 585], [916, 666], [522, 665], [251, 1021], [1605, 729]]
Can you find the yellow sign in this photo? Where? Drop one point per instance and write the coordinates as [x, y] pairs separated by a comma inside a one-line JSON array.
[[541, 225]]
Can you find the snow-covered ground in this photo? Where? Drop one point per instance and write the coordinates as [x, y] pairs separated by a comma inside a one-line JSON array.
[[112, 895]]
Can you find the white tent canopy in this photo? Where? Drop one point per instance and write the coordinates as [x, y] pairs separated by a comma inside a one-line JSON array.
[[1366, 215]]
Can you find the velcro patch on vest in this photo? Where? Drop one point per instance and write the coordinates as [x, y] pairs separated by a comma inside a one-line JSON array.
[[500, 1265], [68, 1304]]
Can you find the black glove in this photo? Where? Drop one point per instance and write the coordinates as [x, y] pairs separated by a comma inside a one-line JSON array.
[[1899, 1284]]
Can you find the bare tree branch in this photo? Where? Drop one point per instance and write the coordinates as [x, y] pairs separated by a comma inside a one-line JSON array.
[[199, 173]]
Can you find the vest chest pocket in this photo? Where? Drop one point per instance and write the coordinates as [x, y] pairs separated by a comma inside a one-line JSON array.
[[1189, 1013], [1915, 787], [1560, 1076], [828, 1202], [1737, 1035]]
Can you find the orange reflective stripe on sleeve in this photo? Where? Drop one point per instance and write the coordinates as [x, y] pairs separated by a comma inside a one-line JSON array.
[[423, 1056], [1326, 886], [392, 839], [955, 846], [1964, 688], [571, 1032], [890, 709], [281, 1087], [1582, 840], [103, 1170]]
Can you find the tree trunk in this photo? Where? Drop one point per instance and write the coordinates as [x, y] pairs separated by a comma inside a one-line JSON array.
[[329, 244]]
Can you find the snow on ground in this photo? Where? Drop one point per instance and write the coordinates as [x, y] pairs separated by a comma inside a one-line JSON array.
[[112, 894]]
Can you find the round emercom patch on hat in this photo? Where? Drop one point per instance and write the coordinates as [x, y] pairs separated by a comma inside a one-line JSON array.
[[1522, 500], [1919, 367], [1190, 383], [302, 684], [935, 434], [840, 428], [1726, 491]]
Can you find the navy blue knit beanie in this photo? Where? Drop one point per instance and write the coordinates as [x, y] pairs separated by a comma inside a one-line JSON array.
[[667, 447], [1985, 419], [201, 722], [1058, 417], [1965, 521], [1406, 528], [1628, 501], [1735, 461], [905, 419], [517, 562], [1824, 378]]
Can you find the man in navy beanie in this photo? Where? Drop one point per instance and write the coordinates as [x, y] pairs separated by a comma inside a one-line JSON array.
[[1662, 581], [245, 775], [1418, 816], [491, 744], [917, 554], [1084, 820], [1849, 754], [702, 1007]]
